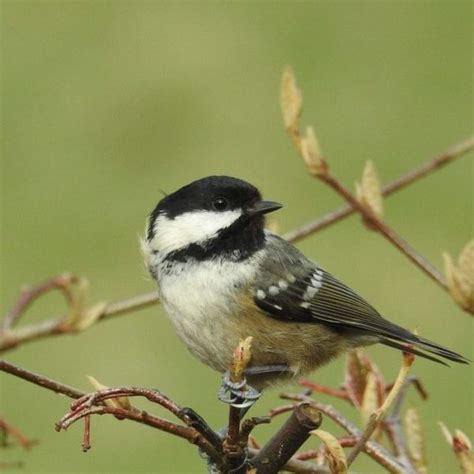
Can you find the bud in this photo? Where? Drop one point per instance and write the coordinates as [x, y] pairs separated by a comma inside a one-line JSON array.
[[120, 402], [460, 277], [291, 100], [335, 455], [462, 447], [358, 368], [312, 155], [369, 190], [415, 440]]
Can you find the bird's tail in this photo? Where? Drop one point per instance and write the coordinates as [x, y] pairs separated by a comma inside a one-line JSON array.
[[422, 347]]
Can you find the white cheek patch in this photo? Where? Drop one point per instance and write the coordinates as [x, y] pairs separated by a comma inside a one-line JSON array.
[[189, 228]]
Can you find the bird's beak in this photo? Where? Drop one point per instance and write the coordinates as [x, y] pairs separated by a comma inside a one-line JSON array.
[[264, 207]]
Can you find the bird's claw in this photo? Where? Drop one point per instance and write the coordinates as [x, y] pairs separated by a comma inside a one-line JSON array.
[[237, 394]]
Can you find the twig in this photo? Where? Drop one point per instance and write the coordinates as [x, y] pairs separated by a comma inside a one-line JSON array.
[[87, 406], [11, 430], [308, 148], [371, 448], [406, 179], [287, 440], [385, 230], [10, 338], [40, 380], [345, 442], [29, 295], [379, 414], [248, 425], [316, 387], [232, 446], [393, 423], [296, 465]]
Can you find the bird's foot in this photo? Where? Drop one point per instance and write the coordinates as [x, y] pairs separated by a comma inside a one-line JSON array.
[[237, 394]]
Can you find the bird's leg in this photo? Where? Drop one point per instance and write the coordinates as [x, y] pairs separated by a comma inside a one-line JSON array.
[[266, 369]]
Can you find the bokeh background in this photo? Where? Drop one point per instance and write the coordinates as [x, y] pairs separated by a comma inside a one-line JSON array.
[[106, 104]]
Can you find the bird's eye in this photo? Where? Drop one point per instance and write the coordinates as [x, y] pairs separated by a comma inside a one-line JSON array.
[[220, 204]]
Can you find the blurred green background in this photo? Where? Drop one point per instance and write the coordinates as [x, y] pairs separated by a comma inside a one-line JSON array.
[[105, 104]]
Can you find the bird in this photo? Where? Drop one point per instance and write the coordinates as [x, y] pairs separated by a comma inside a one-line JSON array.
[[223, 277]]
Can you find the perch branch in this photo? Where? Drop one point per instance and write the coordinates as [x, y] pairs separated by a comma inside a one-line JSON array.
[[87, 405], [371, 448], [91, 404], [287, 440]]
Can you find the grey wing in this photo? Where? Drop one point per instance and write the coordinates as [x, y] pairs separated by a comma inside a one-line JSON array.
[[291, 287]]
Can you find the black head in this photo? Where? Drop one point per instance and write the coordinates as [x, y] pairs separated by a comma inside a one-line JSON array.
[[207, 212]]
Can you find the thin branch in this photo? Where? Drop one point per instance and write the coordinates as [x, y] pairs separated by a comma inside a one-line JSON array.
[[87, 405], [377, 452], [29, 295], [90, 404], [429, 166], [386, 231], [379, 414], [308, 148], [232, 446], [10, 338], [393, 424], [40, 380], [9, 429], [296, 465], [344, 442], [333, 392]]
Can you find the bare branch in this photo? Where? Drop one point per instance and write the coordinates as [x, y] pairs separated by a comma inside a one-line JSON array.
[[429, 166], [308, 148], [8, 429], [40, 380], [377, 452], [10, 338], [386, 231], [379, 414]]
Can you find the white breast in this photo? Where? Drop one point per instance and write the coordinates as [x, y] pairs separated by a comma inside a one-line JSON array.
[[201, 299]]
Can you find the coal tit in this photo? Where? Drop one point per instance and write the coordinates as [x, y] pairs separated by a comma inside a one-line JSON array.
[[222, 277]]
